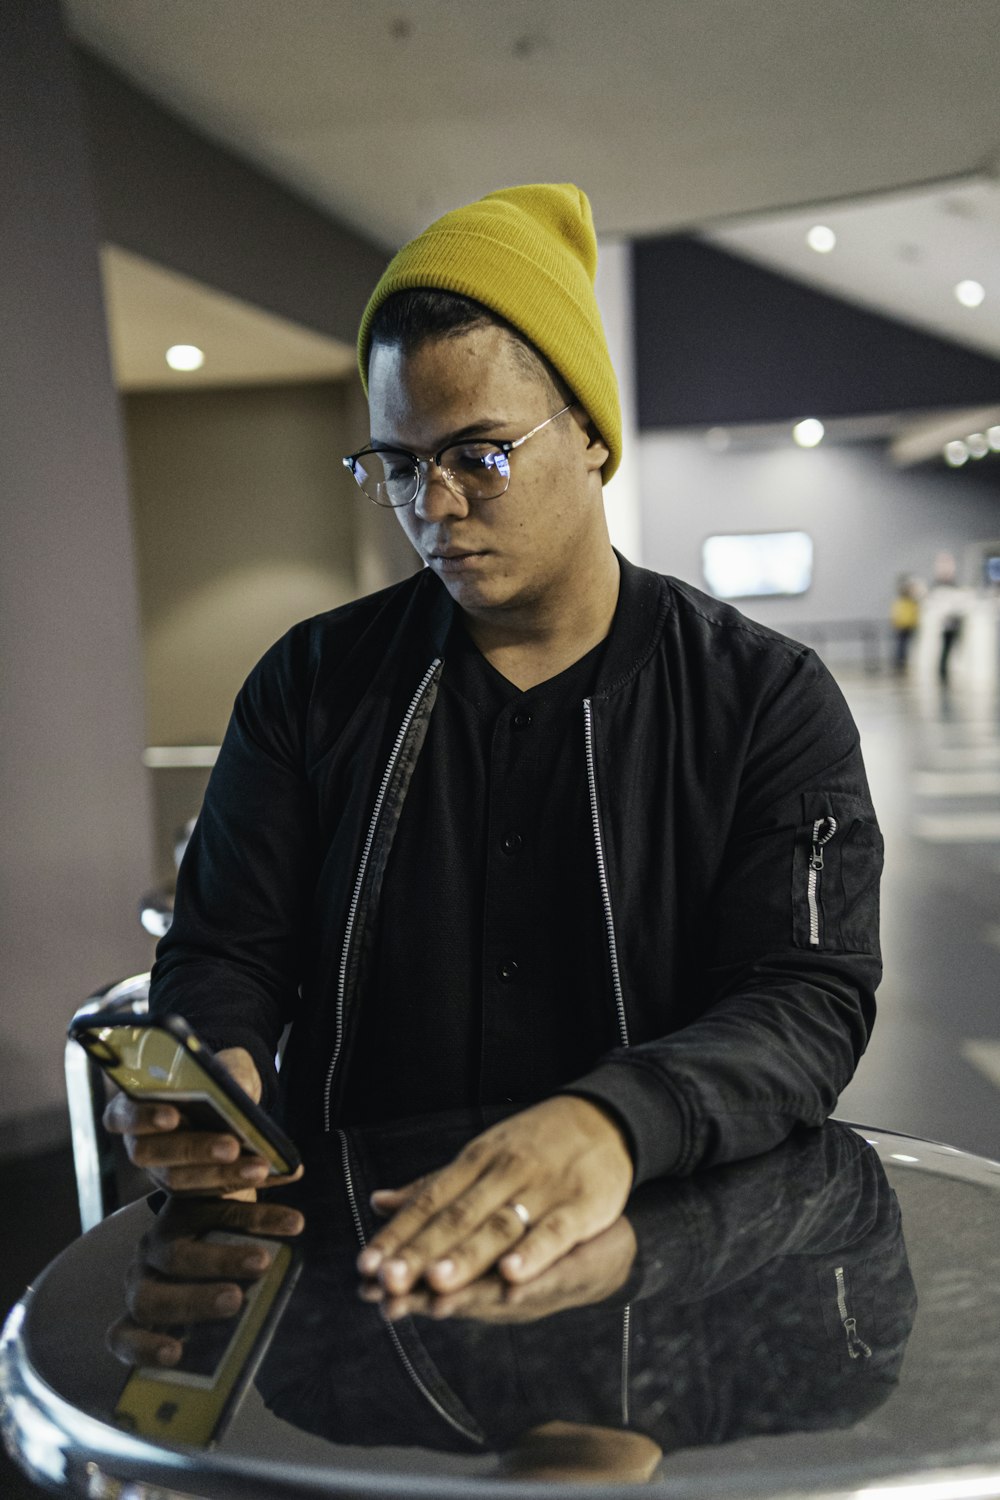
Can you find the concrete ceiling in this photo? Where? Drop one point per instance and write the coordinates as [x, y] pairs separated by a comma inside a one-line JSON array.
[[747, 121]]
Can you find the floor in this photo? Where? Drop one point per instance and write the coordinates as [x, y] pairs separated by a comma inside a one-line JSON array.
[[933, 758], [933, 1067]]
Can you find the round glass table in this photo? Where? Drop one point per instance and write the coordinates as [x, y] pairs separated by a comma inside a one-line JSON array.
[[823, 1320]]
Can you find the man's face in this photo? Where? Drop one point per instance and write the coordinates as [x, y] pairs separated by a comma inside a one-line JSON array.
[[524, 548]]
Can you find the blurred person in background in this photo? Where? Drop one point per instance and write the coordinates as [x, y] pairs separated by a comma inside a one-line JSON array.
[[905, 618]]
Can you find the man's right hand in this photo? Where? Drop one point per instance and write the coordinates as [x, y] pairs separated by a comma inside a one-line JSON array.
[[192, 1161]]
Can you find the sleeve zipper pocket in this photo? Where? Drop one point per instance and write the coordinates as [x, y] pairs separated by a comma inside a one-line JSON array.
[[823, 830], [856, 1346]]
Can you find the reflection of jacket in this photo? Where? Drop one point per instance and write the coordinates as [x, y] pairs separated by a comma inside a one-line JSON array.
[[769, 1296], [726, 771]]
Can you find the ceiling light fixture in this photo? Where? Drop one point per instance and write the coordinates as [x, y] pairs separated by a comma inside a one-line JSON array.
[[993, 438], [821, 238], [185, 357], [970, 293], [955, 453], [809, 433], [977, 444]]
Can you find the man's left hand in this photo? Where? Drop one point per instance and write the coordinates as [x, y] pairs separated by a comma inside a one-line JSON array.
[[564, 1163]]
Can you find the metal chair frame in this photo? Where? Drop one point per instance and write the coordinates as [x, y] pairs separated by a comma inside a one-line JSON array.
[[98, 1157]]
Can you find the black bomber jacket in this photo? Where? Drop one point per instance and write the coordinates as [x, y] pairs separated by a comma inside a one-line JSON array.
[[734, 839]]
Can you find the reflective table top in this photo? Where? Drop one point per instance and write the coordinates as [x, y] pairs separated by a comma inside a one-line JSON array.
[[819, 1321]]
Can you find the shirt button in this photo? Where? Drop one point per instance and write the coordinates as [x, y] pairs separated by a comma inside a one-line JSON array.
[[521, 719], [507, 970], [511, 842]]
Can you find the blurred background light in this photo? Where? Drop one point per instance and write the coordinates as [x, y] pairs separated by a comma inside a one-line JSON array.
[[185, 357], [808, 433], [821, 238], [970, 293]]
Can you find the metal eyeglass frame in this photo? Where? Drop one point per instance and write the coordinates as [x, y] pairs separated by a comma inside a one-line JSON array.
[[422, 465]]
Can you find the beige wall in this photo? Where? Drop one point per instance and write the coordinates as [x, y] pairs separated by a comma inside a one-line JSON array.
[[246, 521]]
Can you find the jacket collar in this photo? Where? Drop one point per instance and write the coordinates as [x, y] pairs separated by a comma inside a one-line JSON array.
[[644, 600]]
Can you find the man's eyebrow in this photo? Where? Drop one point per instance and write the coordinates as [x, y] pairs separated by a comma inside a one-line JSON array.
[[474, 429]]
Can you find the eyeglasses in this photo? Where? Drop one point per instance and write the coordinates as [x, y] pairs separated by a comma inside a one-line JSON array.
[[474, 470]]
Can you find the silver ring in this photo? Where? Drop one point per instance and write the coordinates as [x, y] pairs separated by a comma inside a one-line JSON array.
[[522, 1214]]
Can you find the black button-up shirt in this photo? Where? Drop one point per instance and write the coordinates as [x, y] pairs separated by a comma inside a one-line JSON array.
[[491, 980]]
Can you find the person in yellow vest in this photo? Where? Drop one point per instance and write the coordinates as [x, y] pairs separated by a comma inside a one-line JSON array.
[[905, 618]]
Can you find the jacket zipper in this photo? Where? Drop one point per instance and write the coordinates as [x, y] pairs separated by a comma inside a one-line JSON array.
[[626, 1352], [473, 1437], [616, 980], [856, 1346], [602, 872], [822, 832], [359, 884]]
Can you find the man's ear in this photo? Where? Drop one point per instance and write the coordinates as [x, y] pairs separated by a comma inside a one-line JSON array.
[[597, 451]]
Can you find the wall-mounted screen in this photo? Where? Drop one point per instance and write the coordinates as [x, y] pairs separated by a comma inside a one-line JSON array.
[[758, 563]]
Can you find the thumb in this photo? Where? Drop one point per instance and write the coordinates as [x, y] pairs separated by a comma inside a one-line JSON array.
[[386, 1200]]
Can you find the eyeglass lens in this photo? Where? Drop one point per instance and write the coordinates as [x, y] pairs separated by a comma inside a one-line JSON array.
[[479, 471]]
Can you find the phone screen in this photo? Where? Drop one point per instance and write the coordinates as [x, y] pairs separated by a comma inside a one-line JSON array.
[[189, 1402]]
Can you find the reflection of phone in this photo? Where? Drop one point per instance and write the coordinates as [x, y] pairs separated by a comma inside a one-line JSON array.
[[159, 1058], [194, 1401]]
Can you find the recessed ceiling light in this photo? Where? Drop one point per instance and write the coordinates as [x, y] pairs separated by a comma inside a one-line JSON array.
[[185, 357], [808, 433], [821, 238], [993, 438], [956, 453], [977, 444], [970, 293]]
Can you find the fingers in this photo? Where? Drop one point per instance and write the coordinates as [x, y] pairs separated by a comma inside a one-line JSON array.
[[192, 1161], [185, 1255], [154, 1303], [555, 1234], [387, 1201], [241, 1067], [143, 1346], [451, 1230], [193, 1266], [125, 1116], [519, 1196]]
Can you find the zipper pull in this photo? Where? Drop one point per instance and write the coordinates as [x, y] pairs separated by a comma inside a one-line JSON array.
[[856, 1345], [819, 838]]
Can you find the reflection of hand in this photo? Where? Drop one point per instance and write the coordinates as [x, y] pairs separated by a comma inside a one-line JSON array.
[[178, 1276], [588, 1274], [193, 1161], [564, 1160]]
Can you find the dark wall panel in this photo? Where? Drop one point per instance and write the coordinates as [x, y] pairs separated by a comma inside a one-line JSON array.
[[172, 195], [75, 849], [722, 340]]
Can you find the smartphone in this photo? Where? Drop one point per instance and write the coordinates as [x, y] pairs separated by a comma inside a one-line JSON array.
[[193, 1402], [158, 1059]]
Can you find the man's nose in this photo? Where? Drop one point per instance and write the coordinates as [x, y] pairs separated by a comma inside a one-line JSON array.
[[435, 499]]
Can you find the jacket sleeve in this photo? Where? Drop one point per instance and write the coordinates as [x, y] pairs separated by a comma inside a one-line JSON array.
[[789, 951], [230, 962]]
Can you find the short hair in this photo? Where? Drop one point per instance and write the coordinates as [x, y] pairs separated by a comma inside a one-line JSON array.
[[410, 318]]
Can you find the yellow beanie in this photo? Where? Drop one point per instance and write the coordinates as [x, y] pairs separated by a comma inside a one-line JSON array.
[[529, 254]]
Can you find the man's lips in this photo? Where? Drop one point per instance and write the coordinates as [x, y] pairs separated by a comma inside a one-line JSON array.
[[450, 559]]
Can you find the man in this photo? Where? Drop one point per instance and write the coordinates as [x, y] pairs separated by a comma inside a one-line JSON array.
[[535, 826]]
